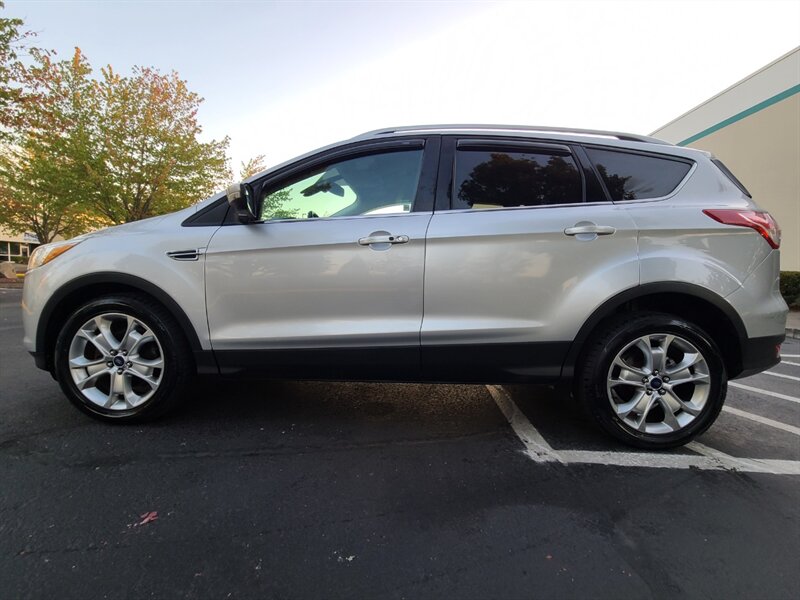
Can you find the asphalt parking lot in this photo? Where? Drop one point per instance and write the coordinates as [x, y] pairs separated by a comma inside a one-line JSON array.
[[307, 489]]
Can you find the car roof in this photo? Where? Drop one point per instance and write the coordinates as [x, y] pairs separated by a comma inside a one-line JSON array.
[[527, 130], [563, 134]]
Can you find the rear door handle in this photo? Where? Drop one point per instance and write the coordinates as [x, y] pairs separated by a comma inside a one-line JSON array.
[[596, 229], [383, 239]]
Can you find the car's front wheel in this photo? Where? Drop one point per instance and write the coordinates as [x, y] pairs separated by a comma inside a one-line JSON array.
[[123, 358], [653, 380]]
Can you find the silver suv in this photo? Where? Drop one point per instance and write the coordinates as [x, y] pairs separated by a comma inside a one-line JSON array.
[[640, 271]]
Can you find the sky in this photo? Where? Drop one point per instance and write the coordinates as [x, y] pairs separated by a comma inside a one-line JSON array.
[[282, 78]]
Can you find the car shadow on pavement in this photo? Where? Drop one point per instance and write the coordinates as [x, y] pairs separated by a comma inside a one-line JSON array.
[[339, 410]]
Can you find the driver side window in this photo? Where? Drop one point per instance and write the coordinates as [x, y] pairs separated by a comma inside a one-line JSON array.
[[367, 185]]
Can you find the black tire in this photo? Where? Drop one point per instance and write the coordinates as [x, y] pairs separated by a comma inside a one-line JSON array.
[[178, 364], [594, 370]]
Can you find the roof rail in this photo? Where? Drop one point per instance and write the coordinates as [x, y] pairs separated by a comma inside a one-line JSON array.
[[628, 137]]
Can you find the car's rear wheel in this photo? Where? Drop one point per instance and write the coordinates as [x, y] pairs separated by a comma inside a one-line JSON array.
[[123, 358], [653, 380]]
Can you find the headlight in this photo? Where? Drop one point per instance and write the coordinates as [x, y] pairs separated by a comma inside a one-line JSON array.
[[44, 254]]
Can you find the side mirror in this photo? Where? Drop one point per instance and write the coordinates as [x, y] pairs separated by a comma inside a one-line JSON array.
[[240, 197]]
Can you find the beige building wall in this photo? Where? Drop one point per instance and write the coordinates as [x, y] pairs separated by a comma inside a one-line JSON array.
[[7, 235], [763, 151], [754, 128], [16, 246]]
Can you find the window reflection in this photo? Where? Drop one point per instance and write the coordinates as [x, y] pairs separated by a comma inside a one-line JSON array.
[[374, 184], [507, 179]]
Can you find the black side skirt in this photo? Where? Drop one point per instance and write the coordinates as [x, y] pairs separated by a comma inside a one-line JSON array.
[[489, 363]]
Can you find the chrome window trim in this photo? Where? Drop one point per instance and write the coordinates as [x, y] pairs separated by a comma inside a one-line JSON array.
[[534, 207]]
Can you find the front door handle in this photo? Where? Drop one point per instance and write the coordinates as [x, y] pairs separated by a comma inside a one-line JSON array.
[[383, 239], [595, 229]]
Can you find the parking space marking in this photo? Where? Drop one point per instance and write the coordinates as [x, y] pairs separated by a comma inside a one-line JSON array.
[[792, 364], [539, 450], [762, 420], [639, 459], [792, 377], [790, 355], [749, 388], [714, 461], [751, 465], [535, 445]]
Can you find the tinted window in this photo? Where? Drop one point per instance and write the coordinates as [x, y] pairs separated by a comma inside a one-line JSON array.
[[501, 179], [376, 184], [635, 176]]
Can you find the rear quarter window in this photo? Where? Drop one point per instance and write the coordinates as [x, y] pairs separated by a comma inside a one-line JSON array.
[[629, 176]]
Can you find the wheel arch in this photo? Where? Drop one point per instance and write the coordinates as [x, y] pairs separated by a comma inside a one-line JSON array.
[[697, 304], [84, 288]]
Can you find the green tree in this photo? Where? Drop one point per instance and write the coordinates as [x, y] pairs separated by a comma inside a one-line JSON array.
[[82, 152], [146, 157], [42, 167], [11, 44]]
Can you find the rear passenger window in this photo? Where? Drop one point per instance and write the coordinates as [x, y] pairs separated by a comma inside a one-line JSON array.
[[502, 179], [636, 176]]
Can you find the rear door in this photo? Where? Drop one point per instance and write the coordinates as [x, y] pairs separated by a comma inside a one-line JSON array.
[[523, 246], [329, 284]]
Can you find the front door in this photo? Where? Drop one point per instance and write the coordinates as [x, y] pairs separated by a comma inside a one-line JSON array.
[[329, 284]]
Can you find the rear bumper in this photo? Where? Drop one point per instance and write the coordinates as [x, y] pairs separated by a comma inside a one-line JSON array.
[[759, 354]]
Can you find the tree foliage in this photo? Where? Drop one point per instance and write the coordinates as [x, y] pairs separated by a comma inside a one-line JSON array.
[[250, 167], [146, 156], [80, 150], [42, 171], [11, 44]]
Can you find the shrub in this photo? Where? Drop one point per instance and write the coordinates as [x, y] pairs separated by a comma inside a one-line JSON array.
[[790, 288]]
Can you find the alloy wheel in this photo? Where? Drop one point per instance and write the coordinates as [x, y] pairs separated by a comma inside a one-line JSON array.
[[116, 361], [658, 384]]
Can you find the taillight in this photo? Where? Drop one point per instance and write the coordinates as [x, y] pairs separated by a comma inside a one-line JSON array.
[[759, 220]]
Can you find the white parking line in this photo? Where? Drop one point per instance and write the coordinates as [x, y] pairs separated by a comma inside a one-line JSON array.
[[752, 465], [790, 355], [793, 364], [539, 450], [774, 374], [762, 420], [536, 446], [718, 462], [742, 386]]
